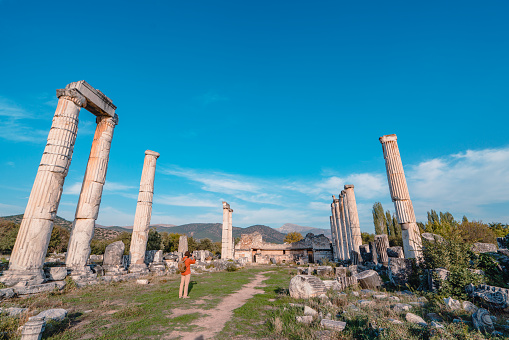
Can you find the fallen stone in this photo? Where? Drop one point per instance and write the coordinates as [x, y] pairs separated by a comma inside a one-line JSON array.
[[7, 293], [452, 304], [306, 319], [355, 293], [399, 270], [412, 318], [380, 296], [434, 317], [394, 298], [479, 247], [489, 296], [12, 311], [367, 291], [397, 322], [324, 271], [436, 324], [401, 307], [142, 282], [369, 279], [55, 273], [310, 311], [337, 326], [296, 305], [469, 307], [352, 307], [306, 286], [365, 303], [417, 303], [34, 289], [396, 252], [57, 314], [432, 238], [482, 321]]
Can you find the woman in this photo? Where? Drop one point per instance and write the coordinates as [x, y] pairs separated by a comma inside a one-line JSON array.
[[186, 275]]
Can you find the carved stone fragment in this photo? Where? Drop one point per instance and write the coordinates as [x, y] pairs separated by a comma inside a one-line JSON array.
[[368, 279], [306, 286], [399, 270], [489, 296], [482, 321]]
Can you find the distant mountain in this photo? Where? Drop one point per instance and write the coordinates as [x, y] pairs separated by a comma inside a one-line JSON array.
[[290, 227], [269, 234], [100, 232]]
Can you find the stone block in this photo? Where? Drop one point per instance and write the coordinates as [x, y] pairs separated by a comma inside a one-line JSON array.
[[341, 271], [142, 282], [7, 293], [306, 319], [399, 271], [333, 325], [401, 307], [306, 286], [490, 296], [33, 328], [12, 311], [469, 307], [412, 318], [310, 311], [369, 279], [482, 321], [55, 273], [452, 304], [57, 314], [113, 254], [484, 248], [35, 289], [432, 238], [324, 271], [396, 252]]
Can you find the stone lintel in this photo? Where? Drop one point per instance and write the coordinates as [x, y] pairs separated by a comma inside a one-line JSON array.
[[388, 138], [152, 153], [97, 102], [348, 186]]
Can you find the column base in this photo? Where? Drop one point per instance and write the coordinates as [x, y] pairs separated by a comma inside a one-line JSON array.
[[81, 273], [157, 267], [114, 270], [138, 268], [27, 277]]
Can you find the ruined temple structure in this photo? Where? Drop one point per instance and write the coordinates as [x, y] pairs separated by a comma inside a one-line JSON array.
[[345, 228], [252, 249], [143, 214], [29, 252], [227, 244], [412, 243]]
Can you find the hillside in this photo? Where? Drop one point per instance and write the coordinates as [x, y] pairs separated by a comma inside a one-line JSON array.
[[290, 227], [100, 233], [269, 234]]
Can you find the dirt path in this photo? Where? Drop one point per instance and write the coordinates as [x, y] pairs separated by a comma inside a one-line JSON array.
[[217, 317]]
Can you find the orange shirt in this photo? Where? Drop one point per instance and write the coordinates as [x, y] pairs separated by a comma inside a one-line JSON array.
[[188, 262]]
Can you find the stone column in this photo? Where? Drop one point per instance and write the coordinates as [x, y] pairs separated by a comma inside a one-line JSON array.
[[382, 243], [143, 213], [346, 222], [412, 244], [342, 241], [183, 245], [354, 219], [334, 236], [34, 234], [338, 229], [225, 233], [82, 233], [230, 234]]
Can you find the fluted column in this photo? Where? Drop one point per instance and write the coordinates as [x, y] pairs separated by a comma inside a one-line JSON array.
[[143, 213], [82, 232], [34, 234], [225, 233], [334, 234], [381, 244], [338, 228], [353, 218], [412, 244], [345, 226], [230, 234]]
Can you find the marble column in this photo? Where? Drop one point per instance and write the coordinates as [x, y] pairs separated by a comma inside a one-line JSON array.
[[346, 222], [342, 241], [82, 232], [225, 235], [354, 219], [334, 236], [143, 214], [34, 234], [382, 243], [230, 234], [339, 230], [412, 244]]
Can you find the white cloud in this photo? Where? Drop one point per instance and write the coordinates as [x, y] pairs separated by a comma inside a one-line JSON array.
[[109, 187], [189, 200]]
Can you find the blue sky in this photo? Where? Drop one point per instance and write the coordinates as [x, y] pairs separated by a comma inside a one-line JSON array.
[[272, 106]]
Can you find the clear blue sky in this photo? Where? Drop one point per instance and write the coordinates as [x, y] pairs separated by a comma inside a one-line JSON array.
[[270, 105]]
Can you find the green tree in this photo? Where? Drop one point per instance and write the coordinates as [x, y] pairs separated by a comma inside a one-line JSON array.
[[191, 244], [126, 238], [293, 237], [170, 241], [379, 219], [367, 237], [59, 240], [8, 234], [154, 241]]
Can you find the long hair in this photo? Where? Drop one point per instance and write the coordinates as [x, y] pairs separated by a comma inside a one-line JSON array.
[[187, 253]]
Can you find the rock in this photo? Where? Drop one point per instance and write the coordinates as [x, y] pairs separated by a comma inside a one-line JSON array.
[[479, 247], [412, 318], [113, 258], [337, 326], [452, 304], [367, 292], [34, 289], [489, 296], [399, 271], [434, 317], [332, 284], [355, 293], [55, 273], [310, 311], [33, 328], [142, 282], [396, 252], [306, 319], [365, 303], [7, 293], [57, 314], [324, 271], [296, 305], [306, 286], [397, 322], [303, 271], [469, 307], [432, 238], [341, 271], [436, 277], [394, 298], [380, 296], [346, 281], [482, 321], [436, 324], [353, 307], [401, 307], [12, 311], [369, 279]]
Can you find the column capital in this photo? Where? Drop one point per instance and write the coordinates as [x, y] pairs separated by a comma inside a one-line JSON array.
[[74, 95], [388, 138], [152, 153], [231, 210], [226, 205], [112, 121], [349, 186]]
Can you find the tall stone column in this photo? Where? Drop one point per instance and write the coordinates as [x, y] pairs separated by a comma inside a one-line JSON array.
[[345, 218], [354, 218], [339, 230], [225, 234], [82, 232], [381, 244], [342, 241], [412, 243], [143, 214], [334, 235], [230, 234], [34, 234]]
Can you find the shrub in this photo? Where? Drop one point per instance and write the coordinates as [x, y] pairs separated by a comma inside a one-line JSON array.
[[231, 267]]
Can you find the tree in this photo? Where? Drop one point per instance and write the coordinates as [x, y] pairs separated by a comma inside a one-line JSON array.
[[207, 244], [59, 240], [293, 237], [366, 238], [379, 219], [8, 233], [170, 241], [191, 244], [154, 241]]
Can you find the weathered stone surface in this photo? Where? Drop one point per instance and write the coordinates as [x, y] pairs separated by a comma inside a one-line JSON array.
[[57, 314], [113, 254], [482, 321], [303, 271], [436, 324], [12, 311], [401, 307], [432, 238], [434, 316], [34, 289], [365, 303], [310, 311], [183, 244], [142, 282], [382, 244], [353, 222], [396, 252], [394, 321], [452, 304], [484, 248], [227, 233], [399, 270], [95, 258], [306, 286], [469, 307], [7, 293], [33, 328], [324, 271], [380, 296], [306, 319], [412, 318], [336, 326], [346, 281], [369, 279], [332, 284], [55, 273], [489, 296], [394, 298]]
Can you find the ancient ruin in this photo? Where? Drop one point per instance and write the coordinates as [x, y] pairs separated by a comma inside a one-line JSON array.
[[353, 217], [227, 246], [143, 214], [412, 244], [27, 258], [182, 244], [381, 245]]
